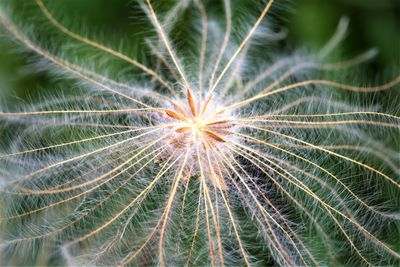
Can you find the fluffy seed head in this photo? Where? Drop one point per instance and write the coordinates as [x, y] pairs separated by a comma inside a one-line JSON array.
[[217, 152]]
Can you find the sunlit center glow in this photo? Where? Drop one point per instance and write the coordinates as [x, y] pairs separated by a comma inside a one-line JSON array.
[[197, 130]]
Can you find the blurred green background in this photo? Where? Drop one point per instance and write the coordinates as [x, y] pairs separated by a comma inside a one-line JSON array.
[[373, 23]]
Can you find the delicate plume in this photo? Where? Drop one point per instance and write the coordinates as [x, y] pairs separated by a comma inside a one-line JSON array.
[[213, 149]]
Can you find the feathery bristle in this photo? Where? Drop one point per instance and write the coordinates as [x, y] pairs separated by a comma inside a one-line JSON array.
[[213, 154]]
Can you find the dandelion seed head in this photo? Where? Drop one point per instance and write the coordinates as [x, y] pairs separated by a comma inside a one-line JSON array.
[[214, 150]]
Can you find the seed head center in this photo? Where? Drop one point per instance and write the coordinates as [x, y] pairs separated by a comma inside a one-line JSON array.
[[195, 125], [197, 131]]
